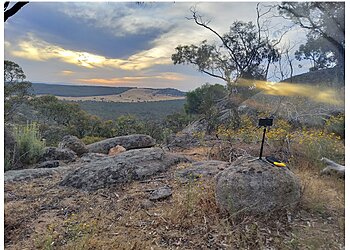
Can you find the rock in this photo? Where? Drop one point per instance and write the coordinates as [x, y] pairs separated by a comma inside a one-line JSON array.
[[128, 142], [52, 153], [73, 143], [256, 187], [146, 204], [29, 174], [161, 194], [49, 164], [197, 126], [131, 165], [92, 157], [202, 169], [116, 150]]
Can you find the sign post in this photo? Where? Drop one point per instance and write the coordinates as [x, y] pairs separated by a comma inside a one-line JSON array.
[[265, 122]]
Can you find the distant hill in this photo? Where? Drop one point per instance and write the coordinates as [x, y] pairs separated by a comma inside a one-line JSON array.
[[325, 77], [75, 90], [84, 91]]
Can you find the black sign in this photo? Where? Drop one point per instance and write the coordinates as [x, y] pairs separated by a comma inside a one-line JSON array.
[[265, 122]]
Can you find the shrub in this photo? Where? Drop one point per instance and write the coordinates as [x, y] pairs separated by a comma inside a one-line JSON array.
[[29, 144], [91, 139], [336, 124]]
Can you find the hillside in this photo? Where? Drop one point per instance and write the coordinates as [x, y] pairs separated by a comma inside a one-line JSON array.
[[85, 91], [131, 95]]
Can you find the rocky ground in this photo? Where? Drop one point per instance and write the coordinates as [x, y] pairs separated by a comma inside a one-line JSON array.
[[170, 206]]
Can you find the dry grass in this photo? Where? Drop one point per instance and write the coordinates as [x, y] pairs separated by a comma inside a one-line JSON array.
[[41, 215], [132, 95]]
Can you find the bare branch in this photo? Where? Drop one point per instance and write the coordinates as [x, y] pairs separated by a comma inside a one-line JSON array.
[[13, 10]]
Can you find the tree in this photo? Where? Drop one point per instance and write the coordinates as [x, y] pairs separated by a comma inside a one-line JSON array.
[[318, 52], [203, 102], [16, 90], [200, 100], [53, 110], [13, 10], [245, 51], [325, 21]]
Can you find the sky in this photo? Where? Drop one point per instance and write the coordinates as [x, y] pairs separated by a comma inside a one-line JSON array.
[[121, 43]]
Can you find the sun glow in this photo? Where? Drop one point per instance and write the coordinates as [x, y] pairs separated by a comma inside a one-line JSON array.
[[316, 93]]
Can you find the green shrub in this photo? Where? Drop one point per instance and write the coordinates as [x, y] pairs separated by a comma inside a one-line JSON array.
[[336, 125], [29, 144], [91, 139]]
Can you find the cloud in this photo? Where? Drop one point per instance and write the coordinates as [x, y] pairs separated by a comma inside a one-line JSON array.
[[166, 76], [120, 18], [67, 72], [35, 49]]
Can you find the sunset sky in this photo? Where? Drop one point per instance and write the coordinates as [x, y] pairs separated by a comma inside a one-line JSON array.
[[119, 43]]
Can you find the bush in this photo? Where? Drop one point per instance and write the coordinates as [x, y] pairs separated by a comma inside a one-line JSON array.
[[29, 144], [336, 125], [91, 139]]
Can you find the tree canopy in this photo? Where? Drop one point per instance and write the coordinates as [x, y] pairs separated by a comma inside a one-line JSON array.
[[244, 51], [16, 90], [325, 22]]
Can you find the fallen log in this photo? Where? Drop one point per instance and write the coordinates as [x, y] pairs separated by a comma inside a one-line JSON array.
[[333, 168]]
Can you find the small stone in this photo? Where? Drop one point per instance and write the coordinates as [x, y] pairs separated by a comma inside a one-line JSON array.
[[116, 150], [161, 194], [146, 204]]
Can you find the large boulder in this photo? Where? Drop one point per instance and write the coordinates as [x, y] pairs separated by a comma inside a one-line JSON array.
[[130, 165], [52, 153], [29, 174], [128, 142], [256, 186], [73, 143]]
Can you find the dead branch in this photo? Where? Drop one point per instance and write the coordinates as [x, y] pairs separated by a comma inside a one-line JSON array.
[[333, 168]]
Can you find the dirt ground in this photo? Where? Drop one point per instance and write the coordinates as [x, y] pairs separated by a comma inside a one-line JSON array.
[[39, 214]]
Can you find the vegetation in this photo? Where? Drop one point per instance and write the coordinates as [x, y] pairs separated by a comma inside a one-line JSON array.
[[78, 91], [29, 145], [146, 111], [122, 217], [325, 22], [243, 52], [203, 98], [75, 90], [16, 90]]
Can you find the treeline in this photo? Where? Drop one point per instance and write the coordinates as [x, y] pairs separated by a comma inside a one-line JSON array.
[[143, 110]]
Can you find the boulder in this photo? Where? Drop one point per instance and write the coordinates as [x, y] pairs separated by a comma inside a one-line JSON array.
[[116, 150], [131, 165], [29, 174], [73, 143], [254, 186], [202, 169], [49, 164], [128, 142], [89, 157], [52, 153]]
